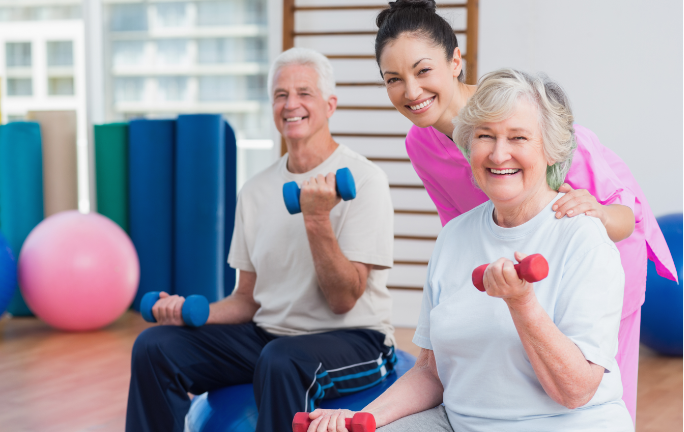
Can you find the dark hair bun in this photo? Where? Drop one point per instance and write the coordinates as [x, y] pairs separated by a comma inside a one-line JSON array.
[[426, 5]]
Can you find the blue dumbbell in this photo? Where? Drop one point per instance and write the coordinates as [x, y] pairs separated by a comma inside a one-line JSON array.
[[195, 310], [346, 189]]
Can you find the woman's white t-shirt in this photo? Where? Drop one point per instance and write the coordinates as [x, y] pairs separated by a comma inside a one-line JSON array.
[[489, 383]]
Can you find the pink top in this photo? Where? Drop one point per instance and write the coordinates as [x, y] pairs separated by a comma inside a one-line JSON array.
[[447, 178]]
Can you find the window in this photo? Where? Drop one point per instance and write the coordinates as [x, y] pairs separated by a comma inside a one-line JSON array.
[[60, 53], [227, 50], [172, 88], [172, 51], [219, 88], [128, 17], [171, 14], [128, 89], [217, 13], [18, 54], [61, 86], [19, 87], [127, 53]]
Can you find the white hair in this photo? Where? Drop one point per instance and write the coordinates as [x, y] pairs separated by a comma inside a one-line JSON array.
[[496, 99], [306, 57]]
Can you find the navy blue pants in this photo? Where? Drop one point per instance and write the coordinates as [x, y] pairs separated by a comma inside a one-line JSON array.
[[289, 373]]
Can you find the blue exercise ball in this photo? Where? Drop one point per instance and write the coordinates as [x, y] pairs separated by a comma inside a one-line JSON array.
[[661, 314], [8, 274], [233, 409]]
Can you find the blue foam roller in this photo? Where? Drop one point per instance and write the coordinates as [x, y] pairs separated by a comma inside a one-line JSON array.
[[8, 274], [150, 193], [199, 226], [231, 204], [21, 190], [233, 409]]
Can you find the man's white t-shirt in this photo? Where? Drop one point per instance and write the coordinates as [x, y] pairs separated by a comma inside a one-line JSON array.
[[489, 383], [274, 244]]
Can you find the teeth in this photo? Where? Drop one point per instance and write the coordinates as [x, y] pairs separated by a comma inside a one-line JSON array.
[[504, 171], [422, 105], [293, 119]]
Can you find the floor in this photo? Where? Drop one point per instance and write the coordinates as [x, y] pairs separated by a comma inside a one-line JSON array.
[[75, 382]]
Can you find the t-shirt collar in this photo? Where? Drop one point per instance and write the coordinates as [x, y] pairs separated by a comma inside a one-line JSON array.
[[519, 231]]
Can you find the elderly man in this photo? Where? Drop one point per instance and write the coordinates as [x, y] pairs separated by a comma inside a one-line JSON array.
[[310, 318]]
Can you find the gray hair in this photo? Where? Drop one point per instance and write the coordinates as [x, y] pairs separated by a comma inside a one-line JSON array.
[[306, 57], [496, 99]]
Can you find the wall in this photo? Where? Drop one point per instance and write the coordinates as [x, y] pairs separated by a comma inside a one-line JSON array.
[[620, 62]]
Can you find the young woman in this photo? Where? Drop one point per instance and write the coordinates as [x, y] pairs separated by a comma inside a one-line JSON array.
[[420, 62]]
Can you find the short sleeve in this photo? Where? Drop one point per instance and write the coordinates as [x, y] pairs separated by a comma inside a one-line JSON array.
[[367, 233], [591, 170], [422, 335], [238, 257], [589, 304]]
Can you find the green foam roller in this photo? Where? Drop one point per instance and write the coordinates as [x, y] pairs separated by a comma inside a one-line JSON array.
[[111, 172]]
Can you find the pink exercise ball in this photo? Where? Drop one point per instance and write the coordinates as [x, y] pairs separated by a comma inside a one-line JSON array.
[[78, 271]]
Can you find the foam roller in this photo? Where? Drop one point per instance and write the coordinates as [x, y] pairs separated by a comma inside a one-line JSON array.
[[195, 310], [344, 184], [361, 422], [533, 269]]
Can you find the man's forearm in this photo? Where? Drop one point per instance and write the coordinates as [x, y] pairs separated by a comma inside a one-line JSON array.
[[234, 309], [337, 276]]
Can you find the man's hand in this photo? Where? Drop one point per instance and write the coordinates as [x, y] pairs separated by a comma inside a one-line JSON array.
[[168, 309], [578, 201], [319, 196]]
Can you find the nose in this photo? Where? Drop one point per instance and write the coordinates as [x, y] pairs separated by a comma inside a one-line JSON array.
[[501, 151], [292, 102], [413, 89]]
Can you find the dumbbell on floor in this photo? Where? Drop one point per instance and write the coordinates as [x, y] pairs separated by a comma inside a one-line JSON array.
[[344, 183], [195, 309], [361, 422], [533, 269]]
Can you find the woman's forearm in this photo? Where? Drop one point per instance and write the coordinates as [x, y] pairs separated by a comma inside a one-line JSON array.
[[566, 376], [619, 221], [417, 390]]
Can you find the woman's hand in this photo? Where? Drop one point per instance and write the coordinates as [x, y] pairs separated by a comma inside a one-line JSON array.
[[325, 420], [502, 281], [578, 201]]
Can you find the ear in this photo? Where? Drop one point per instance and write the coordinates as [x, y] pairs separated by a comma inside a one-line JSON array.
[[457, 62], [332, 105]]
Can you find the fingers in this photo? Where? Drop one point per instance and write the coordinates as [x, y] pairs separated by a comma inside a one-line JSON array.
[[168, 310], [574, 203], [519, 256], [316, 413], [565, 188]]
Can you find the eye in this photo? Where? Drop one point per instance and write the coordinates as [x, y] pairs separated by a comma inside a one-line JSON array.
[[392, 80], [424, 70], [279, 95], [484, 136], [520, 138]]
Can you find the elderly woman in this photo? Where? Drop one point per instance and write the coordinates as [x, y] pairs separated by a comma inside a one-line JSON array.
[[522, 356]]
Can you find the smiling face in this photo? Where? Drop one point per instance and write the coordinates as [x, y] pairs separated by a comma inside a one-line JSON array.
[[299, 109], [420, 81], [508, 161]]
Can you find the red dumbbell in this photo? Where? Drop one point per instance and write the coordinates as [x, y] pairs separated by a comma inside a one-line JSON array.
[[361, 422], [533, 269]]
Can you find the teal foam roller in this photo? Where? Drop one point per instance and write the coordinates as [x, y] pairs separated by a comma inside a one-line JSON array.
[[195, 310], [344, 184]]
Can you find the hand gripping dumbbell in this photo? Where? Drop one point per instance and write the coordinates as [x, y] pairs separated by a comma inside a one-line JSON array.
[[533, 269], [195, 309], [361, 422], [344, 183]]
